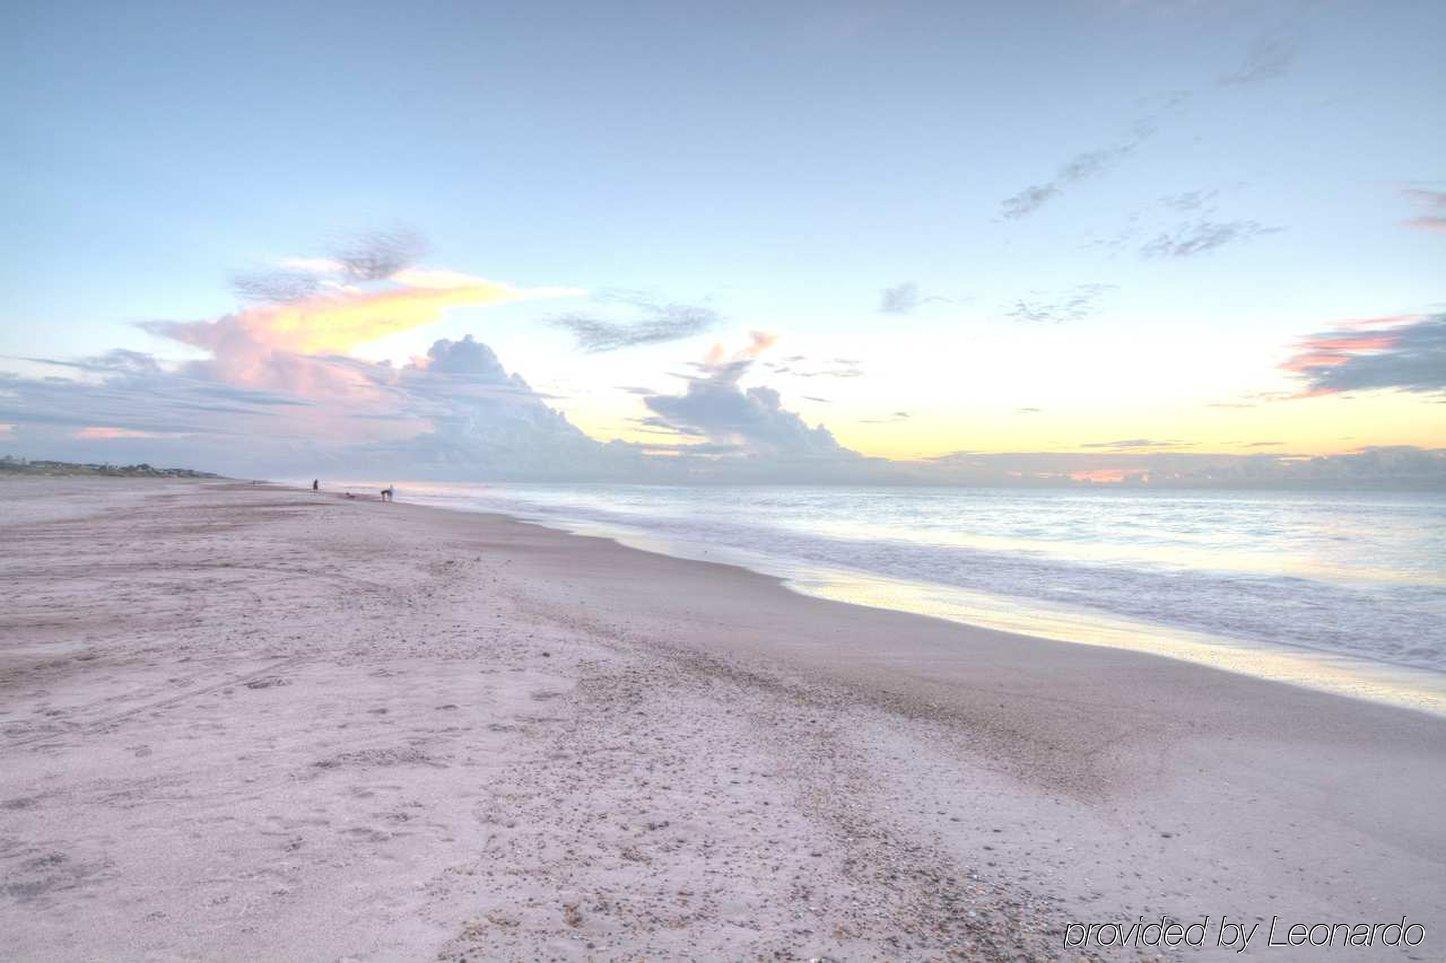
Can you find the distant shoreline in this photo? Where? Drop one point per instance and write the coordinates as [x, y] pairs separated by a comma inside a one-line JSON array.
[[11, 465]]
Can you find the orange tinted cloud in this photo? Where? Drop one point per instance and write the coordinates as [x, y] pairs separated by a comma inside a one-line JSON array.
[[336, 322], [299, 346], [760, 341]]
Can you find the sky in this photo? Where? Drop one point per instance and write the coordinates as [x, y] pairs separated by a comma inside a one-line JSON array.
[[1073, 242]]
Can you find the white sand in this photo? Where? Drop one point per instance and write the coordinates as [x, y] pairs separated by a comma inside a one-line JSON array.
[[248, 723]]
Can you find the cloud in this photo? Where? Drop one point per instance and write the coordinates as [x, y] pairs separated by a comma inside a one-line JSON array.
[[479, 419], [147, 401], [905, 298], [1202, 236], [458, 414], [116, 360], [110, 433], [1432, 203], [374, 256], [277, 386], [1075, 305], [1190, 200], [1406, 354], [369, 287], [890, 419], [751, 421], [799, 366], [1081, 167], [378, 255], [276, 285], [659, 322], [758, 342], [900, 299], [277, 394], [1133, 444], [454, 413], [277, 345], [312, 265], [1269, 57]]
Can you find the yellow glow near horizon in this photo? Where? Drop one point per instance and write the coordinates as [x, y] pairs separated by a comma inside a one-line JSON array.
[[1321, 425]]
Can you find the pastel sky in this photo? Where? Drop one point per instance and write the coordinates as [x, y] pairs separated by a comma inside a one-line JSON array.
[[1083, 240]]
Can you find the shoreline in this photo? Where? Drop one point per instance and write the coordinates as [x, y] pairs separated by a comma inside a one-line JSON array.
[[300, 727], [1378, 680]]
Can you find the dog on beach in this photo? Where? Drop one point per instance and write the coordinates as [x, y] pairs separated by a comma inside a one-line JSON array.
[[388, 493]]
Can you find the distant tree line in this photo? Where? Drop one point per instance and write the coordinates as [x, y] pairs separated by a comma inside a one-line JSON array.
[[12, 465]]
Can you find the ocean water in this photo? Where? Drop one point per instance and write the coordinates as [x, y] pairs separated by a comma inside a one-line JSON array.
[[1340, 591]]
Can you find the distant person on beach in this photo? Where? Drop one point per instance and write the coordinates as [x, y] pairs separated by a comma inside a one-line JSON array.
[[389, 493], [316, 484]]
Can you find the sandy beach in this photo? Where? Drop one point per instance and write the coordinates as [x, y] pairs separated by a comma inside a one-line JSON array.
[[246, 722]]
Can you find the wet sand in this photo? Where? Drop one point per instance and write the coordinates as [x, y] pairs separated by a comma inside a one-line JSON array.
[[241, 722]]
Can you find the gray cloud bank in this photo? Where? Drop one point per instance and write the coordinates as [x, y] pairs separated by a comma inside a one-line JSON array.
[[458, 414], [1408, 356], [748, 422], [265, 402]]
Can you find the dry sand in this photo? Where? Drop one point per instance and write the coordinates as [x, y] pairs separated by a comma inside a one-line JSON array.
[[239, 722]]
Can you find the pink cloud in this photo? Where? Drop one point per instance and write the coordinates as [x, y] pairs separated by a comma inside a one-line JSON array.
[[758, 342], [1434, 205], [1427, 223], [1404, 352], [1338, 347], [109, 433]]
